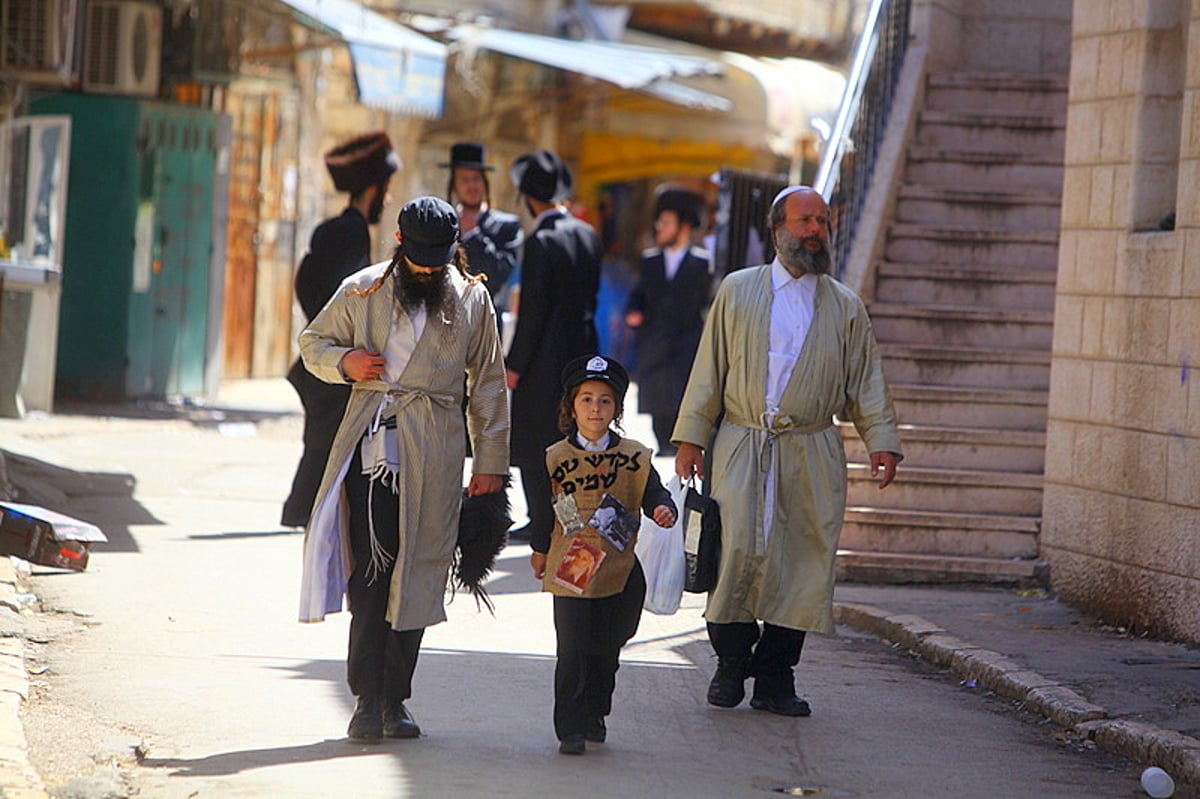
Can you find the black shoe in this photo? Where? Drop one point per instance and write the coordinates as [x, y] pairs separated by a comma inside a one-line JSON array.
[[367, 722], [572, 745], [781, 705], [667, 452], [728, 686], [597, 732], [520, 535], [398, 721]]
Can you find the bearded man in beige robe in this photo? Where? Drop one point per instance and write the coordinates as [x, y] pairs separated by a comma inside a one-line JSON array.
[[384, 527], [785, 348]]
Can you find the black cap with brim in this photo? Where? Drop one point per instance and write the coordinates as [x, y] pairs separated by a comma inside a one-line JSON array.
[[429, 230], [596, 367]]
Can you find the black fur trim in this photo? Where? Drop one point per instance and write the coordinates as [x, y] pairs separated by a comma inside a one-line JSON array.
[[482, 532]]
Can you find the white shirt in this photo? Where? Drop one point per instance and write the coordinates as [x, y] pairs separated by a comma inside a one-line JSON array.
[[592, 446], [791, 316], [407, 327], [672, 260]]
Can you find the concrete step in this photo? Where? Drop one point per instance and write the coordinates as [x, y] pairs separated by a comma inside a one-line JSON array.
[[1026, 95], [927, 489], [950, 244], [992, 131], [888, 567], [961, 448], [1004, 409], [942, 284], [940, 533], [1001, 169], [966, 366], [962, 326], [982, 207]]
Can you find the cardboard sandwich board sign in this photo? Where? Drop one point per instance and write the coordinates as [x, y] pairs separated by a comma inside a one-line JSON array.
[[46, 537]]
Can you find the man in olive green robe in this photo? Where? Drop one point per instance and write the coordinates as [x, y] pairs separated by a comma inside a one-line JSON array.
[[785, 348]]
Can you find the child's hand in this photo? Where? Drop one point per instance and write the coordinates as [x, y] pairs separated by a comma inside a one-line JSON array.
[[664, 516], [538, 562]]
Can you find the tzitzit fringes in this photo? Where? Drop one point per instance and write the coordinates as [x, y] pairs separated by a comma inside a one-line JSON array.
[[381, 559]]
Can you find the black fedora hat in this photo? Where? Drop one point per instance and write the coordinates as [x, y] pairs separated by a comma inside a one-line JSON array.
[[686, 204], [542, 175], [467, 154]]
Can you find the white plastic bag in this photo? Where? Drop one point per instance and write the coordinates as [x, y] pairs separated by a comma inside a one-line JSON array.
[[660, 551]]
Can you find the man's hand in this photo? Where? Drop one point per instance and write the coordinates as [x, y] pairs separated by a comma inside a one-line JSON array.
[[689, 461], [484, 484], [886, 461], [664, 516], [359, 365], [537, 561], [511, 378]]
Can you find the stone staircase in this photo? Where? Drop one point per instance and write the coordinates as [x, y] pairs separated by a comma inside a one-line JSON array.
[[963, 312]]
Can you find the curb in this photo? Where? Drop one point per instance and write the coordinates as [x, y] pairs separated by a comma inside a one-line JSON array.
[[1175, 753], [18, 778]]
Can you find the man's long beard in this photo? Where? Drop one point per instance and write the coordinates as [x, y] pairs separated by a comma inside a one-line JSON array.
[[375, 212], [794, 253], [433, 292]]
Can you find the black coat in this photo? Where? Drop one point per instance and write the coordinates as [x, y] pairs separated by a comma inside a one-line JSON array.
[[339, 247], [670, 333], [560, 277], [494, 249]]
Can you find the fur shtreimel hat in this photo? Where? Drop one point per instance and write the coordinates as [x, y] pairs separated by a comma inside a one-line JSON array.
[[483, 526], [364, 161], [543, 176]]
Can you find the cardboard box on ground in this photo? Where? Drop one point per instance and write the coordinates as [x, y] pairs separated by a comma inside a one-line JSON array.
[[46, 537]]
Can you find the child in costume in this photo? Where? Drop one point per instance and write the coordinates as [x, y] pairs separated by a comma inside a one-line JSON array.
[[602, 483]]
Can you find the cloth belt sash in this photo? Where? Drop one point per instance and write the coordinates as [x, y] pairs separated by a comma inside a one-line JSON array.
[[764, 433], [381, 449]]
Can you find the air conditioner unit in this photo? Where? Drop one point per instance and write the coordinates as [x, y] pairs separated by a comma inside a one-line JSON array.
[[122, 49], [37, 39]]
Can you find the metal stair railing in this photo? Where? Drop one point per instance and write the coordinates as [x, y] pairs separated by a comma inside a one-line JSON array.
[[844, 175]]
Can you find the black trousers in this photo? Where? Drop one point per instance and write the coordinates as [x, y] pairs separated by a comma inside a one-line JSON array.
[[324, 405], [381, 660], [772, 653], [664, 425], [539, 499], [590, 635]]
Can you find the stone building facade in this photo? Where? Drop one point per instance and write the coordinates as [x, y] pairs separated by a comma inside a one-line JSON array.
[[1121, 515]]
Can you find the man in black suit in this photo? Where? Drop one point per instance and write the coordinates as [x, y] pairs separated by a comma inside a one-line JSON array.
[[339, 247], [560, 277], [492, 237], [666, 310]]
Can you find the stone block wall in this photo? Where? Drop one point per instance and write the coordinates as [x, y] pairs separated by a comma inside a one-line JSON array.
[[1121, 513], [1012, 36]]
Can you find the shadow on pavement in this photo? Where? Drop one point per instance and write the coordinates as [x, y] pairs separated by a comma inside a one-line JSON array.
[[225, 763], [104, 499]]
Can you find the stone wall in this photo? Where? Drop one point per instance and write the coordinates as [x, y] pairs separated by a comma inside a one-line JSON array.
[[1013, 36], [1121, 514]]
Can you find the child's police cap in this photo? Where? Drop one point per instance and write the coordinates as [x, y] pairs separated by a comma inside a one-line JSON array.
[[596, 367]]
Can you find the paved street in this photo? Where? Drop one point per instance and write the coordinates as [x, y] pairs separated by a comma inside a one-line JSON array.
[[174, 666]]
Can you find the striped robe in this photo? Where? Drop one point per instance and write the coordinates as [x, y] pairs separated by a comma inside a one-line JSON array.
[[429, 429]]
